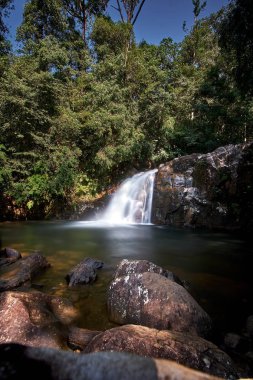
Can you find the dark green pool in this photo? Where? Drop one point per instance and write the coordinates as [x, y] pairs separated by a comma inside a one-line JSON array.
[[217, 266]]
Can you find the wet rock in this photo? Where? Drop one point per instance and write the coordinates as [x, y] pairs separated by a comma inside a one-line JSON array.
[[23, 271], [84, 272], [238, 346], [249, 325], [35, 319], [186, 349], [249, 355], [211, 190], [232, 340], [152, 300], [9, 256], [78, 338], [127, 267], [18, 362], [236, 343]]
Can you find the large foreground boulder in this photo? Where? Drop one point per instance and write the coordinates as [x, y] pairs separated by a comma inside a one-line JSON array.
[[152, 300], [35, 319], [211, 190], [19, 362], [23, 271], [186, 349]]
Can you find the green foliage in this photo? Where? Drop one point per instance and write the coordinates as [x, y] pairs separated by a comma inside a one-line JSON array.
[[41, 19], [109, 37], [236, 38], [52, 178], [86, 188], [198, 7], [75, 117], [5, 8], [207, 105], [109, 126], [82, 13], [90, 7], [5, 172]]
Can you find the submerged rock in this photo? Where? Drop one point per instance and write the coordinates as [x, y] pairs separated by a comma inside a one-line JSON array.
[[35, 319], [152, 300], [239, 346], [9, 256], [23, 271], [186, 349], [84, 272], [236, 342], [211, 190], [18, 362]]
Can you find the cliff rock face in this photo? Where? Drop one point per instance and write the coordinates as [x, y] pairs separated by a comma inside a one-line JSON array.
[[213, 190]]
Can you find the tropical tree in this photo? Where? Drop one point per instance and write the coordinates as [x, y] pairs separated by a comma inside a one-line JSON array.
[[236, 38], [82, 12], [129, 10], [5, 7]]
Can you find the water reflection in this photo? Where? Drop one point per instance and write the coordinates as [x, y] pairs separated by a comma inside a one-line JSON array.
[[216, 265]]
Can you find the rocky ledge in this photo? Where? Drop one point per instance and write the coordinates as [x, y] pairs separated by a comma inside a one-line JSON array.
[[213, 190]]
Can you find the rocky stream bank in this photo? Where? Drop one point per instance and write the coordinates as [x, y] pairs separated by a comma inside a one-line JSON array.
[[161, 330]]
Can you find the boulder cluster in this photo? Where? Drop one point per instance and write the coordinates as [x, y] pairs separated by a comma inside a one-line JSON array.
[[160, 330]]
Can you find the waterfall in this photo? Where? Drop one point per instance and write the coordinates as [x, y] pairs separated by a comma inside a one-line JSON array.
[[132, 202]]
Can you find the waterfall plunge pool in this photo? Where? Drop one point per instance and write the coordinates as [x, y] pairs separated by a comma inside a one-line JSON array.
[[217, 266]]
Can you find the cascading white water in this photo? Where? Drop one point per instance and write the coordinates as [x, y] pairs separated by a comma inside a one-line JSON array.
[[132, 202]]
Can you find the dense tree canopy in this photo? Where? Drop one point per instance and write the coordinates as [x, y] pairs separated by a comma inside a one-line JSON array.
[[236, 36], [83, 103], [5, 7]]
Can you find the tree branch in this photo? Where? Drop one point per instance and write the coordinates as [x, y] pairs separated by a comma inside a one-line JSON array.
[[120, 11], [71, 11], [138, 12]]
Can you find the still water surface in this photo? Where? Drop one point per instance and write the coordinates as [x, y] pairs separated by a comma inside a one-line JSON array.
[[217, 266]]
